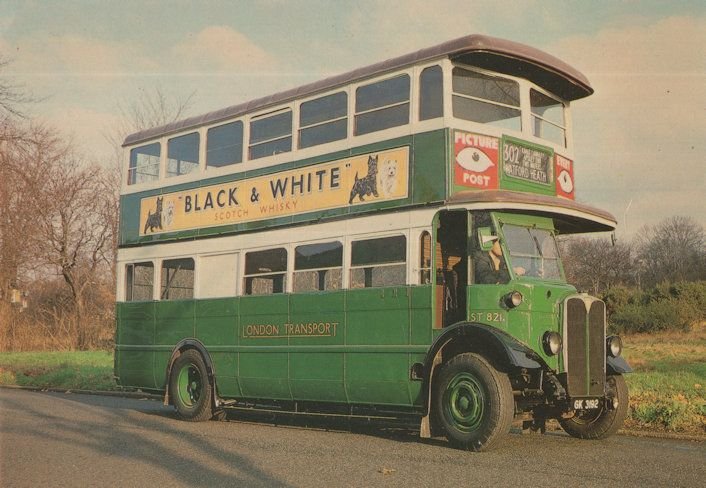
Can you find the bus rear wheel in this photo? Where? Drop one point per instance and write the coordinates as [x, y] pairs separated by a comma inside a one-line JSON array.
[[473, 402], [600, 423], [190, 387]]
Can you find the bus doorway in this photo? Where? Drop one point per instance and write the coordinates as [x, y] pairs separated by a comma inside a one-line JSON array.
[[451, 255]]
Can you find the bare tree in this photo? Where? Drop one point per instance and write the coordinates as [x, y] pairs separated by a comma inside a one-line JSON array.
[[593, 264], [673, 250], [149, 109]]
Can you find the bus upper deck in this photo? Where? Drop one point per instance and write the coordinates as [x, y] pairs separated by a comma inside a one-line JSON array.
[[475, 113]]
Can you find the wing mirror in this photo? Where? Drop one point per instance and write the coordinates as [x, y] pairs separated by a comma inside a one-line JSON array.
[[486, 238]]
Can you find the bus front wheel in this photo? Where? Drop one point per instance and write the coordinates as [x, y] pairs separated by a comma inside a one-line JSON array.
[[602, 422], [190, 388], [473, 402]]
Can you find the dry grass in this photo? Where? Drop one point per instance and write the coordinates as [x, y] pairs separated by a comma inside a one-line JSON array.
[[668, 386]]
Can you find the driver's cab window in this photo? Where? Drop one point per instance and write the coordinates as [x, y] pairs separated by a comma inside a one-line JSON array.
[[533, 251]]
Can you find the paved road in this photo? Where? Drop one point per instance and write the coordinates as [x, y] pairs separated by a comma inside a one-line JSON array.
[[52, 439]]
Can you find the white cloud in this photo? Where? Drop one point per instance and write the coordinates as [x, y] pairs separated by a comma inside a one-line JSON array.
[[87, 128], [221, 49], [640, 137], [75, 55]]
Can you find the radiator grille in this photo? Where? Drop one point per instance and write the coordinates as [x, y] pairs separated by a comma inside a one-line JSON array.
[[584, 354]]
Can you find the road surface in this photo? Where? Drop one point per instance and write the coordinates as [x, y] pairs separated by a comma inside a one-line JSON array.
[[58, 439]]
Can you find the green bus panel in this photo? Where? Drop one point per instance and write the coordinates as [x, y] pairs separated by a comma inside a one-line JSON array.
[[174, 320], [316, 367], [430, 154], [136, 368], [264, 372], [378, 318], [216, 326], [420, 315], [263, 346], [378, 377], [136, 323]]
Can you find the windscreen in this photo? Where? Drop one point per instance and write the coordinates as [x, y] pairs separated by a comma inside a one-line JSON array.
[[534, 250]]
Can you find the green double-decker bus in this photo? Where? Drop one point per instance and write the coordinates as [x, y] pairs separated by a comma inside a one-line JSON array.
[[378, 242]]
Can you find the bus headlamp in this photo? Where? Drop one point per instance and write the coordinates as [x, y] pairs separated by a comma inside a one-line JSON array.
[[614, 346], [513, 299], [551, 342]]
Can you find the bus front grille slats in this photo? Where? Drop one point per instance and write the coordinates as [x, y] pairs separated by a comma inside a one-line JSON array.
[[585, 353], [596, 346]]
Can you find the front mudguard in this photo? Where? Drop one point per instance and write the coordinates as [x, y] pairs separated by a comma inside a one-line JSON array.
[[617, 365]]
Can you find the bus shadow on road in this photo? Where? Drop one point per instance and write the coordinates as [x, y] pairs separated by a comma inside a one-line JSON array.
[[116, 428]]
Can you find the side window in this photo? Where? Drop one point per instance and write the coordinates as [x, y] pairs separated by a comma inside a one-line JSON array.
[[144, 164], [271, 134], [382, 105], [486, 99], [323, 120], [378, 262], [224, 145], [431, 93], [425, 258], [318, 267], [265, 272], [183, 154], [177, 279], [547, 118], [217, 275], [139, 282]]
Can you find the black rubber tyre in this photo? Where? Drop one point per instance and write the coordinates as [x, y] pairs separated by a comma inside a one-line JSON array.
[[600, 423], [472, 402], [190, 387]]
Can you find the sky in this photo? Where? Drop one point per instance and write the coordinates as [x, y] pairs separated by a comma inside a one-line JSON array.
[[640, 140]]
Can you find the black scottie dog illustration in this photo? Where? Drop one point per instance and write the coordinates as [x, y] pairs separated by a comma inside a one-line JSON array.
[[154, 219], [368, 184]]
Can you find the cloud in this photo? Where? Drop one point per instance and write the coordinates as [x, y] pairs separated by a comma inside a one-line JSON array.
[[73, 55], [640, 136], [85, 127], [221, 49]]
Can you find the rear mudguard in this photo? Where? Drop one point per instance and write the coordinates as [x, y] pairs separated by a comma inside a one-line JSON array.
[[178, 349]]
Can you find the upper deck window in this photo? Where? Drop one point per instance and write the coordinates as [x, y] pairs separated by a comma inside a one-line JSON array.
[[382, 105], [548, 118], [323, 120], [224, 145], [431, 93], [271, 134], [183, 154], [144, 164], [486, 99]]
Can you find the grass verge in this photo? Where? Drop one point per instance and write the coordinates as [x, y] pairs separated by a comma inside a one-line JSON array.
[[667, 387], [86, 370]]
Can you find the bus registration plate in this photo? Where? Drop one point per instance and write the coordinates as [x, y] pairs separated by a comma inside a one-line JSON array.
[[586, 404]]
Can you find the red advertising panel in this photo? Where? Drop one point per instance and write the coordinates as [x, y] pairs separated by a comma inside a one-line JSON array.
[[476, 164], [564, 171]]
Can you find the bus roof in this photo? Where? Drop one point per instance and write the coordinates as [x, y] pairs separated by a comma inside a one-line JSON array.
[[570, 217], [498, 55]]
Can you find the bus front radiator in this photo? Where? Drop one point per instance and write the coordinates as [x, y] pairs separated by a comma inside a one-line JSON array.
[[584, 354]]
